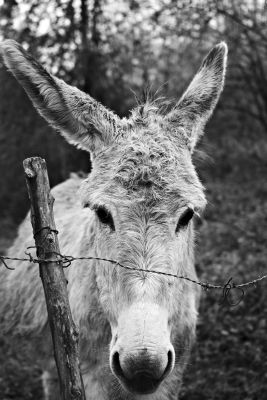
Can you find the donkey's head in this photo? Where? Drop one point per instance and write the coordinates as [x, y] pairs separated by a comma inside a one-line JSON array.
[[144, 191]]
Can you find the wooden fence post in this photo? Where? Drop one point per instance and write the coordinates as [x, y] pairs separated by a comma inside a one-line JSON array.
[[64, 333]]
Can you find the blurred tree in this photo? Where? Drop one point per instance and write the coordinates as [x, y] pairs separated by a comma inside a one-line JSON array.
[[245, 28], [113, 49]]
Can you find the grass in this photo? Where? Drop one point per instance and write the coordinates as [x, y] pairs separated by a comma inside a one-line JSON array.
[[229, 360]]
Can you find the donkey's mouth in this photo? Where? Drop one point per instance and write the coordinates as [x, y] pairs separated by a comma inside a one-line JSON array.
[[141, 383]]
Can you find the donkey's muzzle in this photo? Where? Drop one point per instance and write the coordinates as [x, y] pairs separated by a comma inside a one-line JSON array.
[[142, 373]]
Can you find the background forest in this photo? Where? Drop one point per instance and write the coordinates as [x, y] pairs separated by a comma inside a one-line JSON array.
[[116, 51]]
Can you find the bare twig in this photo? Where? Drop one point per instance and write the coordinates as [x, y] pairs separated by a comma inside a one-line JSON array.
[[236, 18]]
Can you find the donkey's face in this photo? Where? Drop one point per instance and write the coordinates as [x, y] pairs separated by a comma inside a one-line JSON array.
[[144, 191]]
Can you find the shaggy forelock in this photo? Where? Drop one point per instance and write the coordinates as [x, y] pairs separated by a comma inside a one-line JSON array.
[[150, 161]]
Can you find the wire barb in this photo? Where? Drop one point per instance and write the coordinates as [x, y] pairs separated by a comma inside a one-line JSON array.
[[226, 293], [50, 230], [2, 258]]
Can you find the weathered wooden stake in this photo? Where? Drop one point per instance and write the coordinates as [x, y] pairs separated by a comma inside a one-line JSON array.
[[64, 332]]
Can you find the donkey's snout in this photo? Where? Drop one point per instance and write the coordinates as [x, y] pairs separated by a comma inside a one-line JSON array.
[[142, 372]]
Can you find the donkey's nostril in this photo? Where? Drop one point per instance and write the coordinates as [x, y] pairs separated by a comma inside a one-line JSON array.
[[170, 363], [170, 356], [116, 366]]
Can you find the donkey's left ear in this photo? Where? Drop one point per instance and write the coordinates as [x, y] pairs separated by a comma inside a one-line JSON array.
[[199, 100]]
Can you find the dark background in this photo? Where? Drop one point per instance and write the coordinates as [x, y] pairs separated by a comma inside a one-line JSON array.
[[115, 50]]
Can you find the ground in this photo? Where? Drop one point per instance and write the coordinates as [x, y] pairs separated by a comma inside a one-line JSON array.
[[229, 360]]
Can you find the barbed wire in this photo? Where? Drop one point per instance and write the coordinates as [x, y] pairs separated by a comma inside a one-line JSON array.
[[66, 260]]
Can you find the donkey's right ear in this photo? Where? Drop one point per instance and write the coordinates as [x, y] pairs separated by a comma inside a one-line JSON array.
[[199, 100], [82, 120]]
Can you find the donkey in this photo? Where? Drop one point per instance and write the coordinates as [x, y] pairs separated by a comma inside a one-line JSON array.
[[138, 203]]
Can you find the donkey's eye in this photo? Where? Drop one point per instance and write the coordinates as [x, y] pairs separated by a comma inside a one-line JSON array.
[[185, 218], [105, 217]]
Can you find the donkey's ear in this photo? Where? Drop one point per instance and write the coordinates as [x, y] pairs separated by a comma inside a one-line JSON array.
[[198, 102], [82, 120]]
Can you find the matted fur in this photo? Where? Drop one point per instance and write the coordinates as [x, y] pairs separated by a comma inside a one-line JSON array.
[[144, 176]]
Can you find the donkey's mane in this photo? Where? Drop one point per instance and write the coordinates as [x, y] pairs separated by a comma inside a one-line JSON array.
[[150, 107]]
